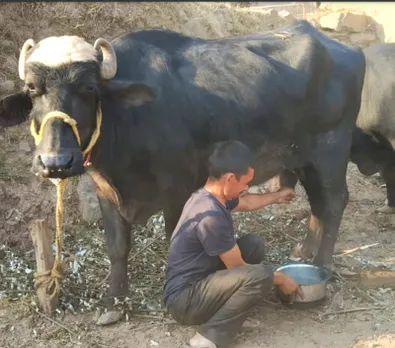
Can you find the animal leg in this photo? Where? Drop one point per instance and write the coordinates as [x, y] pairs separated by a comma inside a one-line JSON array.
[[312, 240], [117, 234], [388, 174], [325, 182]]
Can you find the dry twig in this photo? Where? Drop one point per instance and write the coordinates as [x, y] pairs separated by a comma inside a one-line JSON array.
[[350, 251], [352, 311], [53, 321], [145, 247], [332, 303], [152, 325]]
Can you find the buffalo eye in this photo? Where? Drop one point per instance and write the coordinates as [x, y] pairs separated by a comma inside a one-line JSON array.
[[31, 87], [88, 88]]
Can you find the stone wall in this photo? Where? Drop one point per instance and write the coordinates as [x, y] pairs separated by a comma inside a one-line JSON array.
[[381, 12], [356, 29], [353, 25]]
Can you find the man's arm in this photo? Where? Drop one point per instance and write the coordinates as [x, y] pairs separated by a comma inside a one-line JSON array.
[[250, 202], [232, 258], [285, 283]]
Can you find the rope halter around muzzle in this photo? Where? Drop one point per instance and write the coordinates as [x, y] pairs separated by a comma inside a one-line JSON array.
[[51, 279]]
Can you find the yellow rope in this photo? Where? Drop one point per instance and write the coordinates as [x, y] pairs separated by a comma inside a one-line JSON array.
[[51, 279]]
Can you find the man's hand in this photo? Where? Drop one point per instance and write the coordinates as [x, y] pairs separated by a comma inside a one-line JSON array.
[[287, 285], [285, 196], [251, 202]]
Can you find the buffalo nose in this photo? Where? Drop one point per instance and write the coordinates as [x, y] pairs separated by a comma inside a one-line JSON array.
[[57, 162]]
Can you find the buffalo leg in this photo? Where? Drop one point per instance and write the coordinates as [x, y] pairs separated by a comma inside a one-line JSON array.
[[117, 234], [325, 183], [326, 187], [335, 201], [388, 174], [312, 241]]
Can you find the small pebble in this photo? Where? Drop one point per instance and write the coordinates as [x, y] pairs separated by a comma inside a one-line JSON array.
[[108, 318]]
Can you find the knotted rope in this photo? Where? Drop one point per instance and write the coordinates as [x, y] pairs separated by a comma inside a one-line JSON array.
[[51, 278]]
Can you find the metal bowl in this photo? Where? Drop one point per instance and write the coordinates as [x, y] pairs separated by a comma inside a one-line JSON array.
[[311, 279]]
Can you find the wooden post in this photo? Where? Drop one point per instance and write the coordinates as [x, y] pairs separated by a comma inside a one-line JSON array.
[[42, 241]]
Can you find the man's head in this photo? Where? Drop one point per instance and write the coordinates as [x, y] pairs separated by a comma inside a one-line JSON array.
[[231, 167]]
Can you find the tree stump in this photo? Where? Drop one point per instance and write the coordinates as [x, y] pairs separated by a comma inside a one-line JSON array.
[[42, 241]]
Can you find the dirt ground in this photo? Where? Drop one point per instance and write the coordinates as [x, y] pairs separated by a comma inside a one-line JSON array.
[[356, 313], [146, 323], [270, 325]]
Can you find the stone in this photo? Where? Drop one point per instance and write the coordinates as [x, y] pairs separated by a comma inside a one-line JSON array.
[[24, 146], [7, 45], [314, 23], [111, 317], [7, 86], [88, 201], [354, 22], [269, 19], [331, 21], [357, 38], [287, 18]]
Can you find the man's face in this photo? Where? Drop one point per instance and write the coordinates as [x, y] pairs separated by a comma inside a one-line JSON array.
[[233, 187]]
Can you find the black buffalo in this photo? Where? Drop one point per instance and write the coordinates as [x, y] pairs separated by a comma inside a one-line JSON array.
[[373, 142], [291, 95]]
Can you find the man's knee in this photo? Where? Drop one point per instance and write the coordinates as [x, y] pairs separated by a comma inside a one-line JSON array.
[[252, 248], [260, 279]]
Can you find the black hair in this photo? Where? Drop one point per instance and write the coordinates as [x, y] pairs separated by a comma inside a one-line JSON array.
[[230, 157]]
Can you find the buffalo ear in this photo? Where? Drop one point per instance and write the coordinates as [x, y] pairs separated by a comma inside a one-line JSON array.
[[131, 93], [14, 109]]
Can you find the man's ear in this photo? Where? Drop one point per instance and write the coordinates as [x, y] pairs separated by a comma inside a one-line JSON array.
[[14, 109], [131, 93]]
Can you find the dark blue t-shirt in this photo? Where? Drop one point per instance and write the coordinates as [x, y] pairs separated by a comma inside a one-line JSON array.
[[204, 231]]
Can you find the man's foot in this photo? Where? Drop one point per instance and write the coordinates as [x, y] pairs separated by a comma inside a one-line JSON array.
[[198, 341]]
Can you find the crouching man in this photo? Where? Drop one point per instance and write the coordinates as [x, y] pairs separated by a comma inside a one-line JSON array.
[[214, 280]]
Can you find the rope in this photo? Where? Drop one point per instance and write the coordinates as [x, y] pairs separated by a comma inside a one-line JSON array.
[[51, 278]]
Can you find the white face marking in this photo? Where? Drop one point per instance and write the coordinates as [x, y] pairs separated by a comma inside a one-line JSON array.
[[56, 51]]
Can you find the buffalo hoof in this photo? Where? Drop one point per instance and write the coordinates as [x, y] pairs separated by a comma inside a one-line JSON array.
[[111, 317], [326, 262], [330, 267], [386, 210]]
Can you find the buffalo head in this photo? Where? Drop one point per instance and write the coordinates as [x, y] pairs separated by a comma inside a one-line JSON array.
[[62, 77]]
